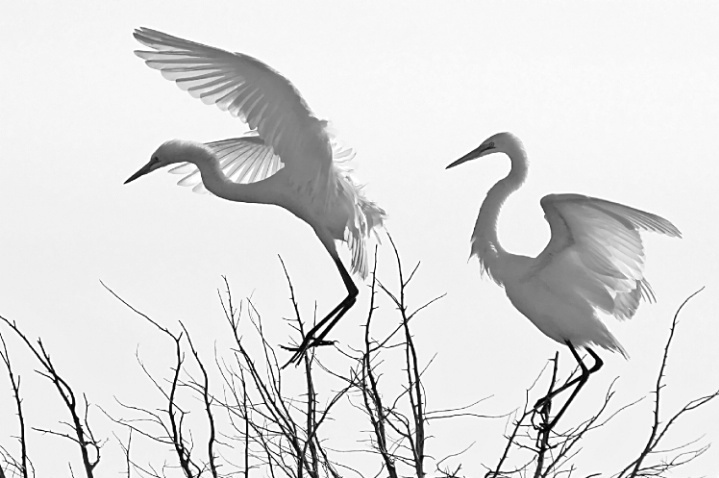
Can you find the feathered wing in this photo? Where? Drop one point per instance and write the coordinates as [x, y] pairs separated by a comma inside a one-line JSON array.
[[243, 160], [248, 89], [604, 237], [248, 159], [286, 133]]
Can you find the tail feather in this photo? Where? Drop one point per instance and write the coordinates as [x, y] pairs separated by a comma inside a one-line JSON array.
[[365, 217], [368, 218]]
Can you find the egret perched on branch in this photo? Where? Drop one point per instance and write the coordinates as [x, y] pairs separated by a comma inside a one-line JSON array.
[[594, 261], [289, 159]]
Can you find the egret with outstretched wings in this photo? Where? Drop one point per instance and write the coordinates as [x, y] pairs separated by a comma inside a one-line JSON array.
[[289, 158], [594, 261]]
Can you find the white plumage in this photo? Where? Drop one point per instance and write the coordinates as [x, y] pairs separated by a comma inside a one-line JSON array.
[[593, 262], [594, 259], [289, 159]]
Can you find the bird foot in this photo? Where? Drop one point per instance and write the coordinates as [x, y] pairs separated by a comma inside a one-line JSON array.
[[319, 343], [542, 403], [300, 351], [540, 414]]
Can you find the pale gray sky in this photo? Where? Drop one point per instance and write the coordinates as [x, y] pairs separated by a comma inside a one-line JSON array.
[[614, 100]]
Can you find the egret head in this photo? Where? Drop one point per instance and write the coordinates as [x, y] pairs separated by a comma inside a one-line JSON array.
[[170, 152], [498, 143]]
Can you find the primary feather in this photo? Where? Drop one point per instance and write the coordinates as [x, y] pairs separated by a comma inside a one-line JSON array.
[[239, 84]]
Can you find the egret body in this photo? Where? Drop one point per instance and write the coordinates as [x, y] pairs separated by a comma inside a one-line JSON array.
[[594, 260], [289, 159]]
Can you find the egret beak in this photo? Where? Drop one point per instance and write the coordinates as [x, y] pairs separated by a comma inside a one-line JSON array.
[[142, 171], [474, 154]]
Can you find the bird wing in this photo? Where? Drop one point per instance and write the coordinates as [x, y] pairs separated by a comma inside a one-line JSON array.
[[602, 239], [248, 89], [245, 160]]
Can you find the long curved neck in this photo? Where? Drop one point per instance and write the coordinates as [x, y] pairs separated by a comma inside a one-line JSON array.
[[217, 183], [485, 243]]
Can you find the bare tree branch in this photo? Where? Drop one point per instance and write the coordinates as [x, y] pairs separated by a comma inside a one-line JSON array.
[[21, 465], [657, 432], [83, 436]]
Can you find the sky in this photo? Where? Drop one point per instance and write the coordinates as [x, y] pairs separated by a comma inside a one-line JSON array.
[[617, 101]]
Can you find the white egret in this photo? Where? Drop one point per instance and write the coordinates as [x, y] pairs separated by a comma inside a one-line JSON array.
[[290, 159], [593, 262]]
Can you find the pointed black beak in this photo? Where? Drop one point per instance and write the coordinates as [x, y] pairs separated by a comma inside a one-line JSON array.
[[474, 154], [142, 171]]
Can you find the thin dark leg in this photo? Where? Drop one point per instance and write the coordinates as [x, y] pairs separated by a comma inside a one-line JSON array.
[[316, 335], [597, 365], [580, 381]]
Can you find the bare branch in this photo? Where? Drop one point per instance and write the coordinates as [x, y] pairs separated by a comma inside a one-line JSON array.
[[207, 401], [15, 384], [657, 431], [83, 436], [175, 415]]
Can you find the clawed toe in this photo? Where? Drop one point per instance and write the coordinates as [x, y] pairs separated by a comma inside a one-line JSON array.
[[542, 403], [302, 349]]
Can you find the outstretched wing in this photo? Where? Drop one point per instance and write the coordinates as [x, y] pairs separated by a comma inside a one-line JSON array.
[[248, 159], [602, 238], [243, 160], [248, 89]]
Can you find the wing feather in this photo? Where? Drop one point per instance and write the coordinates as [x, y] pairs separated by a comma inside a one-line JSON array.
[[243, 160], [246, 88], [248, 159], [285, 133], [364, 216], [602, 237]]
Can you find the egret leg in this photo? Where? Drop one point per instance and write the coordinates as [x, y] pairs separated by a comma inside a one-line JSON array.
[[316, 335], [579, 381]]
